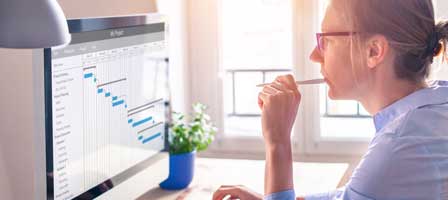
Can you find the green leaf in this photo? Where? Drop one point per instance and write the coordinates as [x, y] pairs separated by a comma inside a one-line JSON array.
[[196, 134]]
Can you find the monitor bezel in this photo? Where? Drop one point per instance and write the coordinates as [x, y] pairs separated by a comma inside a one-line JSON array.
[[87, 25]]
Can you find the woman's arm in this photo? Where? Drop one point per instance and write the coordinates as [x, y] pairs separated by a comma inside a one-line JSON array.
[[279, 103], [278, 171]]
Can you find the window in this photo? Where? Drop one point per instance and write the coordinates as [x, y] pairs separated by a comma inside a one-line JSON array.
[[256, 46], [244, 43], [343, 119]]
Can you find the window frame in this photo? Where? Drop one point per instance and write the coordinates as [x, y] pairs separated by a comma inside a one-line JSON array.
[[315, 144], [204, 40], [204, 58]]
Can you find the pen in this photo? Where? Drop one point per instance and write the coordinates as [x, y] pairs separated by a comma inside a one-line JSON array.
[[306, 82]]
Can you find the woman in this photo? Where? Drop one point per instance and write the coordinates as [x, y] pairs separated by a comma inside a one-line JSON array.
[[379, 53]]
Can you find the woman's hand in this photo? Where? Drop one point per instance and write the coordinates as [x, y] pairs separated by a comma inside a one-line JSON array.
[[279, 102], [236, 192]]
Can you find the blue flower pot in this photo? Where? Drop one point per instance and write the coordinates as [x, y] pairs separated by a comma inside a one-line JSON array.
[[181, 171]]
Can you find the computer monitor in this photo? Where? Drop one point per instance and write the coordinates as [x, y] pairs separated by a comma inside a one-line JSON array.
[[106, 104]]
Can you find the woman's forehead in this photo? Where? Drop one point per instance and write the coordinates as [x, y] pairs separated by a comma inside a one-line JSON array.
[[336, 17]]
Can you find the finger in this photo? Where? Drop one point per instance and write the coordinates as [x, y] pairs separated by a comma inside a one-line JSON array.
[[264, 97], [260, 100], [260, 103], [294, 94], [288, 80], [223, 192], [219, 195], [270, 90], [279, 86], [294, 90], [231, 196]]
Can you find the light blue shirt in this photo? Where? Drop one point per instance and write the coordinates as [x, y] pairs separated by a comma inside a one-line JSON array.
[[408, 156]]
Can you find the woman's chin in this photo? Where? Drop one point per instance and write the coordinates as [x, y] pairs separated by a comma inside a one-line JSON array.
[[334, 95], [331, 95]]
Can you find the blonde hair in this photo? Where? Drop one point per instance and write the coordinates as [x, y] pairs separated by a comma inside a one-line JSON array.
[[408, 25]]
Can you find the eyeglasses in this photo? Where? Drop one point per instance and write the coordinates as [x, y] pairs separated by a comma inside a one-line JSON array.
[[321, 41]]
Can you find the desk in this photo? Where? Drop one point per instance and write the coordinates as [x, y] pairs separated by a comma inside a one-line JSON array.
[[211, 173]]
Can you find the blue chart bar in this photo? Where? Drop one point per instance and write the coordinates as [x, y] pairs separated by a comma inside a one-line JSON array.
[[117, 103], [89, 75], [140, 137], [151, 138], [107, 94], [141, 121], [114, 98], [129, 121], [100, 90]]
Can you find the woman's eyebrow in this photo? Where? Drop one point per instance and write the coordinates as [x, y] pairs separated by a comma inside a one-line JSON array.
[[323, 27]]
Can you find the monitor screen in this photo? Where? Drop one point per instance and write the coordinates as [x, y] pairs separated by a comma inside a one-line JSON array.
[[106, 100]]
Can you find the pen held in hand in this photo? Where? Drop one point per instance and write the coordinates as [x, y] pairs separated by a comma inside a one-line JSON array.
[[306, 82]]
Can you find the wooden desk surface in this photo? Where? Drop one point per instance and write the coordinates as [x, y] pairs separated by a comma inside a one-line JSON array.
[[211, 173]]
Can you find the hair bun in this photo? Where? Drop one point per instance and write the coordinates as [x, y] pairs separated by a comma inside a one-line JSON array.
[[434, 47], [438, 50]]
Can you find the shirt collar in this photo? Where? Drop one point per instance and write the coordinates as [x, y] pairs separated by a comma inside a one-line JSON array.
[[437, 93]]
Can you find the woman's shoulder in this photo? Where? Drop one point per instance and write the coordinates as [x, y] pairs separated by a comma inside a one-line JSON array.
[[426, 121], [420, 131]]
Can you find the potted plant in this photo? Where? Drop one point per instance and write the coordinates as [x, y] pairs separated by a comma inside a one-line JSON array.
[[185, 139]]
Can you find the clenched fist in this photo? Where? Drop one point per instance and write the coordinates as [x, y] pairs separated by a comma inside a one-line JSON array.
[[279, 102]]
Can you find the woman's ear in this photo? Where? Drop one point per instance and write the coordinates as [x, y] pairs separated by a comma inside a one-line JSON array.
[[377, 48]]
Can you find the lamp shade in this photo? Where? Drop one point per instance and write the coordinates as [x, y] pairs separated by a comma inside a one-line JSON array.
[[32, 24]]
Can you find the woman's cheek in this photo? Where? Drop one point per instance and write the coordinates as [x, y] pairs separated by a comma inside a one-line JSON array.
[[336, 77]]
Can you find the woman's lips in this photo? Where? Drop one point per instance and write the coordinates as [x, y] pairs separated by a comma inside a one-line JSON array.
[[324, 76], [326, 80]]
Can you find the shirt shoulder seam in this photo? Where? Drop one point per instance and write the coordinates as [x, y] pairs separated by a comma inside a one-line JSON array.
[[405, 121]]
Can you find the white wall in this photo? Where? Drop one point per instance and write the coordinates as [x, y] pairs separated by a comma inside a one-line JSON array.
[[16, 124], [17, 119], [204, 56], [176, 10], [95, 8], [441, 7]]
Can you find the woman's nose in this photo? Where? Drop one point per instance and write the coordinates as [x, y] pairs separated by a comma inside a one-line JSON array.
[[316, 56]]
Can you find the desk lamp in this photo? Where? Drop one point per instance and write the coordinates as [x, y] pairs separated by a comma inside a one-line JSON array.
[[32, 24]]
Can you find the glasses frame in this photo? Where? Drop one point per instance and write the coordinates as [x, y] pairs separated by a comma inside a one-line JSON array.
[[320, 36]]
